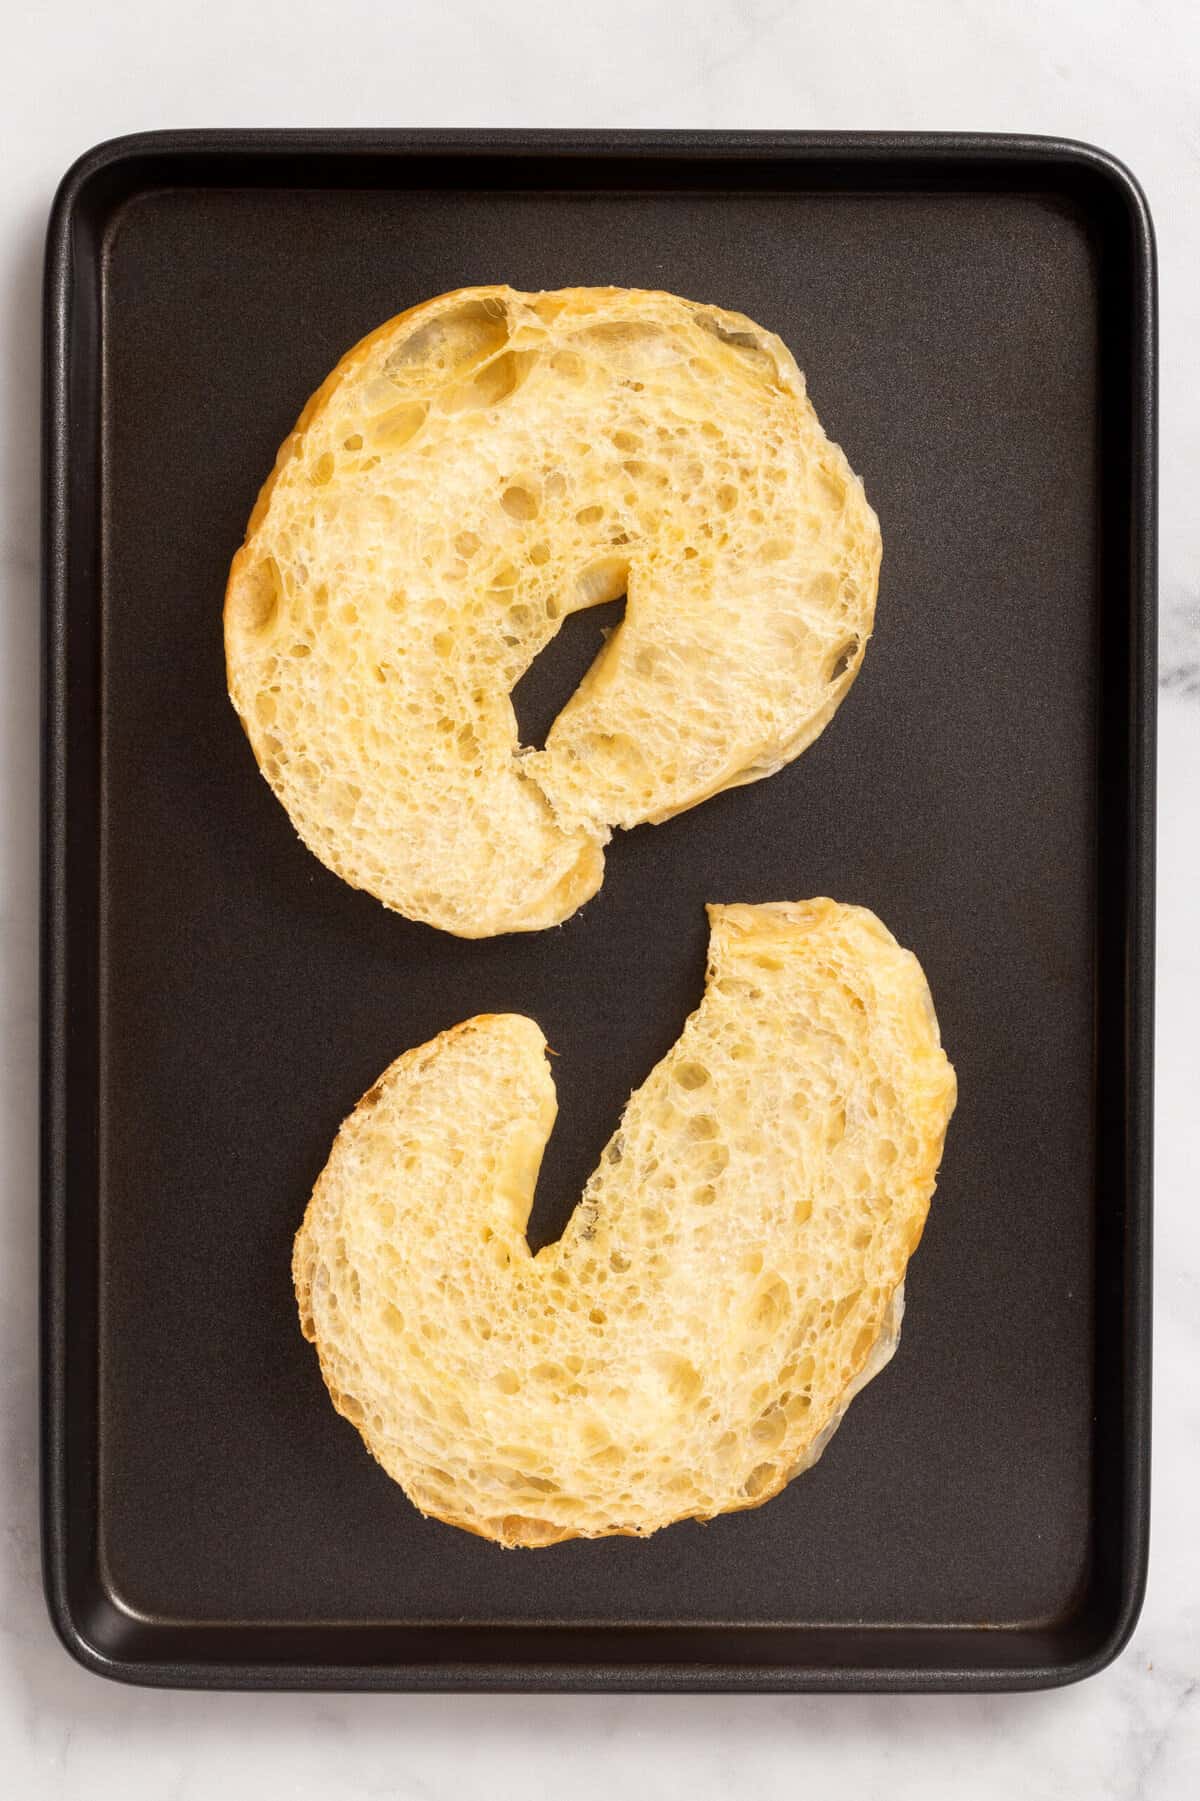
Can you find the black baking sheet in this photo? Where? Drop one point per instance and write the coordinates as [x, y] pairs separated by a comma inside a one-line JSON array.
[[975, 317]]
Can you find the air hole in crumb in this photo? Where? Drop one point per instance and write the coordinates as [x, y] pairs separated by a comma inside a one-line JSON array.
[[398, 426], [846, 1305], [691, 1075], [256, 597], [680, 1377], [519, 503], [759, 1478], [769, 1429], [712, 1162], [770, 1308], [492, 384], [451, 342]]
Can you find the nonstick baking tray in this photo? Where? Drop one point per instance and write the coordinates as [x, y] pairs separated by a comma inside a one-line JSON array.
[[976, 319]]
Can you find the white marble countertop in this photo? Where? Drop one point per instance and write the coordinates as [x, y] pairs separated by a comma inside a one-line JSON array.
[[1122, 73]]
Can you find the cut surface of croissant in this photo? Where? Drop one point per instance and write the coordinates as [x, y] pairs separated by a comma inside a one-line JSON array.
[[729, 1279], [469, 475]]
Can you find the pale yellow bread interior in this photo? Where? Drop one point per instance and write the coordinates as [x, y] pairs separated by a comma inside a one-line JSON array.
[[731, 1276], [470, 474]]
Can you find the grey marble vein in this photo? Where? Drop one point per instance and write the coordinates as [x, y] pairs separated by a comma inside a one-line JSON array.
[[1179, 643]]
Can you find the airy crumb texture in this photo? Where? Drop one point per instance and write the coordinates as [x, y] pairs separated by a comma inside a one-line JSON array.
[[471, 473], [729, 1279]]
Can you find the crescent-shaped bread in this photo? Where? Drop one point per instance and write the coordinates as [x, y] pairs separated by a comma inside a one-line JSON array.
[[730, 1278], [470, 474]]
